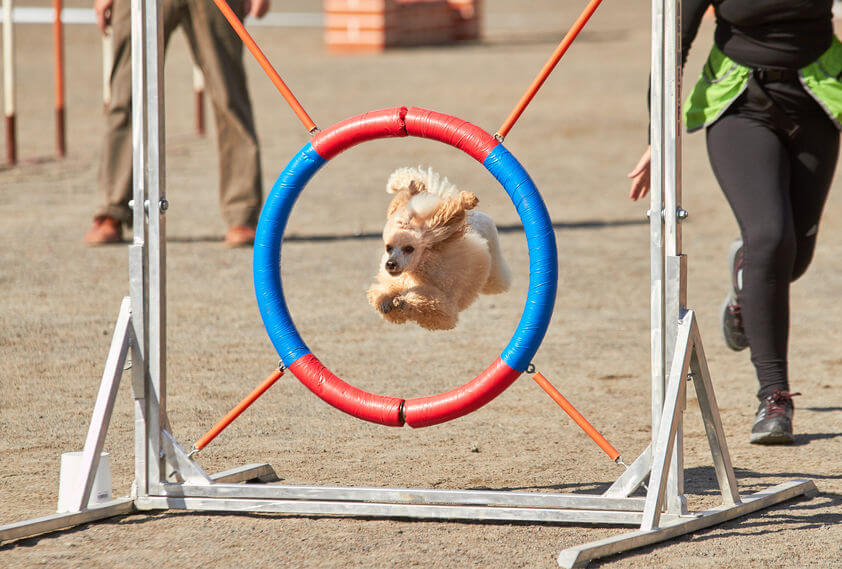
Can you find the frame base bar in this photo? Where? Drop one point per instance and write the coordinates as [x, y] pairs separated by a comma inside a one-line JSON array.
[[409, 496], [580, 556], [258, 471], [381, 510], [54, 522]]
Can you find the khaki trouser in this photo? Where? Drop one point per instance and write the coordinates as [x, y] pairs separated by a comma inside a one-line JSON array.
[[218, 52]]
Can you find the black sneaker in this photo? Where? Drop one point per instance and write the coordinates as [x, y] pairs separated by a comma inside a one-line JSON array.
[[773, 425], [731, 317]]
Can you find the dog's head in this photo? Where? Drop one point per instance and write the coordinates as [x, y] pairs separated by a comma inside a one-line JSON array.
[[419, 221]]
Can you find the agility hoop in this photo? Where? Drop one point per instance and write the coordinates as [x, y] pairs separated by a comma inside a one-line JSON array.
[[543, 273]]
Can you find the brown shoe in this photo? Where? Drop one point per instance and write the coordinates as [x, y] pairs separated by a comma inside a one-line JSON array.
[[104, 231], [240, 236]]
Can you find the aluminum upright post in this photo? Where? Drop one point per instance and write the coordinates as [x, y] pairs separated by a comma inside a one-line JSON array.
[[156, 236], [656, 221], [675, 282], [147, 252], [137, 250], [668, 281]]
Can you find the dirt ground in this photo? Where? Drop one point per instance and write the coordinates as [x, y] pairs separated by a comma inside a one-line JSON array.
[[578, 139]]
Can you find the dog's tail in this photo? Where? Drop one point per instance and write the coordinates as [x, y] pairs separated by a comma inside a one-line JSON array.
[[419, 180]]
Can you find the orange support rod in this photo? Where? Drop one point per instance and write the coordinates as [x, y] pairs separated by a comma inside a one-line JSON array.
[[547, 69], [264, 63], [235, 412], [576, 416]]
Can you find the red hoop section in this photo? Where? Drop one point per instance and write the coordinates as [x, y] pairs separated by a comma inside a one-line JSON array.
[[425, 411], [468, 138], [392, 411], [387, 123], [345, 397]]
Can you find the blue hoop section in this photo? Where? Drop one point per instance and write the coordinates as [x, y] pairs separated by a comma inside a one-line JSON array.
[[543, 263], [540, 236], [267, 253]]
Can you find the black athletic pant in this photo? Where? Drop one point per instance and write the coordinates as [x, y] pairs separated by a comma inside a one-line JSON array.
[[776, 182]]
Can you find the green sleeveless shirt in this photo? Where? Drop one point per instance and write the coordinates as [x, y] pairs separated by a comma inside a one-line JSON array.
[[723, 80]]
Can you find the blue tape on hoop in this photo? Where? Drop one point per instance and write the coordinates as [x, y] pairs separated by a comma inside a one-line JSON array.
[[543, 264], [267, 253]]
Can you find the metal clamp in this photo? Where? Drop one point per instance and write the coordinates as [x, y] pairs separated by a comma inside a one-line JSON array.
[[680, 214]]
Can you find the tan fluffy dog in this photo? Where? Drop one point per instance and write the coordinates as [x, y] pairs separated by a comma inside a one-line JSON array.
[[439, 255]]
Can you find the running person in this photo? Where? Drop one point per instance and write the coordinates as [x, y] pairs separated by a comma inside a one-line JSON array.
[[770, 100]]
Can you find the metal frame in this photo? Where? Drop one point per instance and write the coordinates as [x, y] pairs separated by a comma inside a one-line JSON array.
[[167, 477]]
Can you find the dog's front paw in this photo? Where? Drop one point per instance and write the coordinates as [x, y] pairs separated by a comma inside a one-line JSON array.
[[387, 304], [399, 302]]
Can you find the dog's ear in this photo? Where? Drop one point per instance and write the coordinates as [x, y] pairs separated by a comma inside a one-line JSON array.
[[469, 200], [399, 202], [416, 187], [448, 218], [411, 179]]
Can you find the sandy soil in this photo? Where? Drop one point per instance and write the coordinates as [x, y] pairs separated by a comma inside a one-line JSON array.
[[578, 139]]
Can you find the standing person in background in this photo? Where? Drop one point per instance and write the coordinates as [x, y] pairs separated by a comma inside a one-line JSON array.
[[770, 99], [217, 51]]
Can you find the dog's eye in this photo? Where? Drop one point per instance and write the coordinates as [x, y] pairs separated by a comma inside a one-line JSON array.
[[408, 249], [388, 248]]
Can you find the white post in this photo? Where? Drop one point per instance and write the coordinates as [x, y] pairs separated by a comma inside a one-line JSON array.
[[199, 99], [9, 81]]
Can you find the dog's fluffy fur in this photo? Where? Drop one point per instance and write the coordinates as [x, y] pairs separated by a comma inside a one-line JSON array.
[[439, 254]]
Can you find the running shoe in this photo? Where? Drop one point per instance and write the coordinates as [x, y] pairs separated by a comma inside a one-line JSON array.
[[773, 424], [731, 318]]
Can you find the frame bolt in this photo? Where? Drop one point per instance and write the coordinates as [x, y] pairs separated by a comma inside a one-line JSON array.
[[164, 205]]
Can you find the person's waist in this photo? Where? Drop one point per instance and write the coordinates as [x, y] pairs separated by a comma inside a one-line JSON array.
[[774, 75]]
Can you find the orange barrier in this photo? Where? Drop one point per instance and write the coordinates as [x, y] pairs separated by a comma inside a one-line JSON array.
[[547, 69], [374, 25], [235, 412], [264, 63], [576, 416]]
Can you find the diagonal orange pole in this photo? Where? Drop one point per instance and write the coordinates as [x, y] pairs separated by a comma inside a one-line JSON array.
[[576, 416], [547, 69], [236, 411], [264, 63]]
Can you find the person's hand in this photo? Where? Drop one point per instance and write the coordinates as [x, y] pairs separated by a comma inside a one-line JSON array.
[[640, 176], [102, 11], [256, 8]]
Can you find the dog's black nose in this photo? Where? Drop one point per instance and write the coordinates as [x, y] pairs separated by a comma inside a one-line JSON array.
[[391, 265]]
